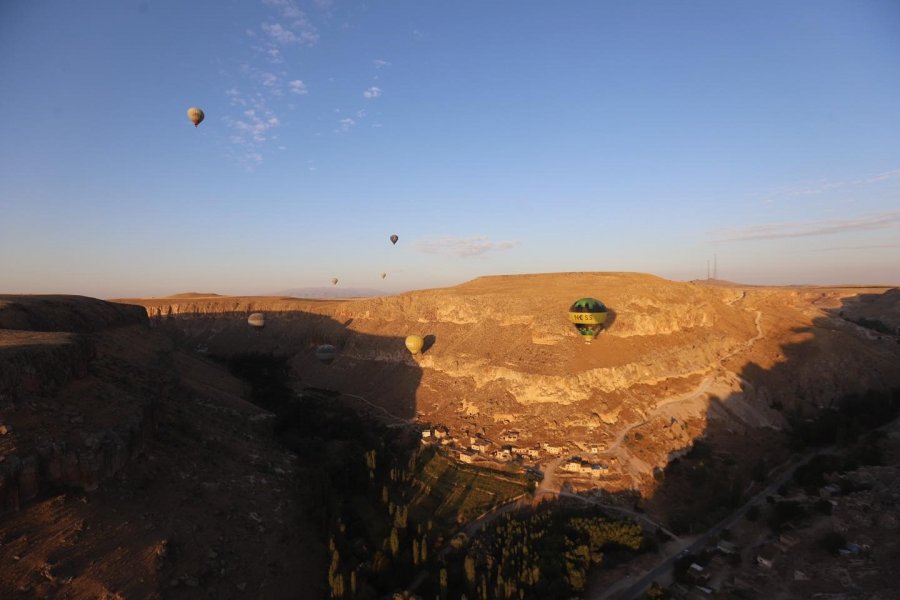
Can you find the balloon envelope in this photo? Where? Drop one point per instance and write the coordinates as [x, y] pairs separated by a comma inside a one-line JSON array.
[[257, 320], [414, 343], [195, 115], [394, 238], [588, 315], [383, 275], [334, 280], [326, 353]]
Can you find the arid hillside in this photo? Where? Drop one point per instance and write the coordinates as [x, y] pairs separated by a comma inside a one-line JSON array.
[[131, 469], [502, 361]]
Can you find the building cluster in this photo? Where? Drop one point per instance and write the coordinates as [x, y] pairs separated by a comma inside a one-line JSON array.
[[507, 447], [584, 467], [699, 579], [470, 449]]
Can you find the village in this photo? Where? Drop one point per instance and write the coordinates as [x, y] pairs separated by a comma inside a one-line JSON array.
[[770, 550], [511, 452], [799, 535], [832, 540]]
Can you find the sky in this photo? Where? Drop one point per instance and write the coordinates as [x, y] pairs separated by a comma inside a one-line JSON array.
[[493, 137]]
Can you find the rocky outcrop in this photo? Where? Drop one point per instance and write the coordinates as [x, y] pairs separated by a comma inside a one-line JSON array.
[[65, 313], [503, 354], [39, 363], [75, 405], [84, 465]]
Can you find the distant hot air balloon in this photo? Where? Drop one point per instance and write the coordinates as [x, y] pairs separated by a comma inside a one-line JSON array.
[[414, 343], [257, 320], [588, 316], [334, 280], [383, 275], [326, 353], [394, 238], [195, 115]]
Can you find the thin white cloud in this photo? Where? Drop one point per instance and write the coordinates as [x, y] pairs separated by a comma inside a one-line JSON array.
[[463, 247], [865, 247], [372, 92], [253, 128], [261, 92], [271, 81], [279, 33], [344, 125], [823, 186], [362, 113], [379, 63], [293, 28], [287, 8], [235, 96], [771, 231], [298, 87]]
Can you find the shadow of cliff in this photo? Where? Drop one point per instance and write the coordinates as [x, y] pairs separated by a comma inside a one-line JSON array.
[[823, 391], [796, 398], [375, 373]]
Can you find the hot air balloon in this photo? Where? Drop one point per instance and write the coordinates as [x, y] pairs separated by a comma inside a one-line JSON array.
[[383, 275], [326, 353], [414, 343], [394, 238], [334, 280], [588, 316], [257, 320], [195, 115]]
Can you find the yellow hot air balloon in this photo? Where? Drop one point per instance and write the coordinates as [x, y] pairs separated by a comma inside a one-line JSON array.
[[195, 115], [414, 343]]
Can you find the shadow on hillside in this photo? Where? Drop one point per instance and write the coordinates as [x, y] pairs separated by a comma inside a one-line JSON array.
[[376, 373], [810, 394], [825, 392], [611, 316]]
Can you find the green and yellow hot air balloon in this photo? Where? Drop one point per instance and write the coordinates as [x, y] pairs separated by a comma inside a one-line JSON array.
[[588, 315]]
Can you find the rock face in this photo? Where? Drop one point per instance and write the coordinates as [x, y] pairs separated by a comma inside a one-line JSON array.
[[65, 313], [70, 414], [500, 354], [130, 468]]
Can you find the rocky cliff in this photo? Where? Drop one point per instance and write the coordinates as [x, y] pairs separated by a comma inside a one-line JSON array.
[[129, 468], [503, 356]]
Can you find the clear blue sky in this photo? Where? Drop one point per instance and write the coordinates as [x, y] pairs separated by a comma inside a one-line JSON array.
[[492, 137]]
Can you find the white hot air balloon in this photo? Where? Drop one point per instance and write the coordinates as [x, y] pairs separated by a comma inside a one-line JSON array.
[[326, 353]]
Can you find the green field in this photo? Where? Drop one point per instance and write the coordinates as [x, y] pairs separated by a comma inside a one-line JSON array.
[[444, 489]]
